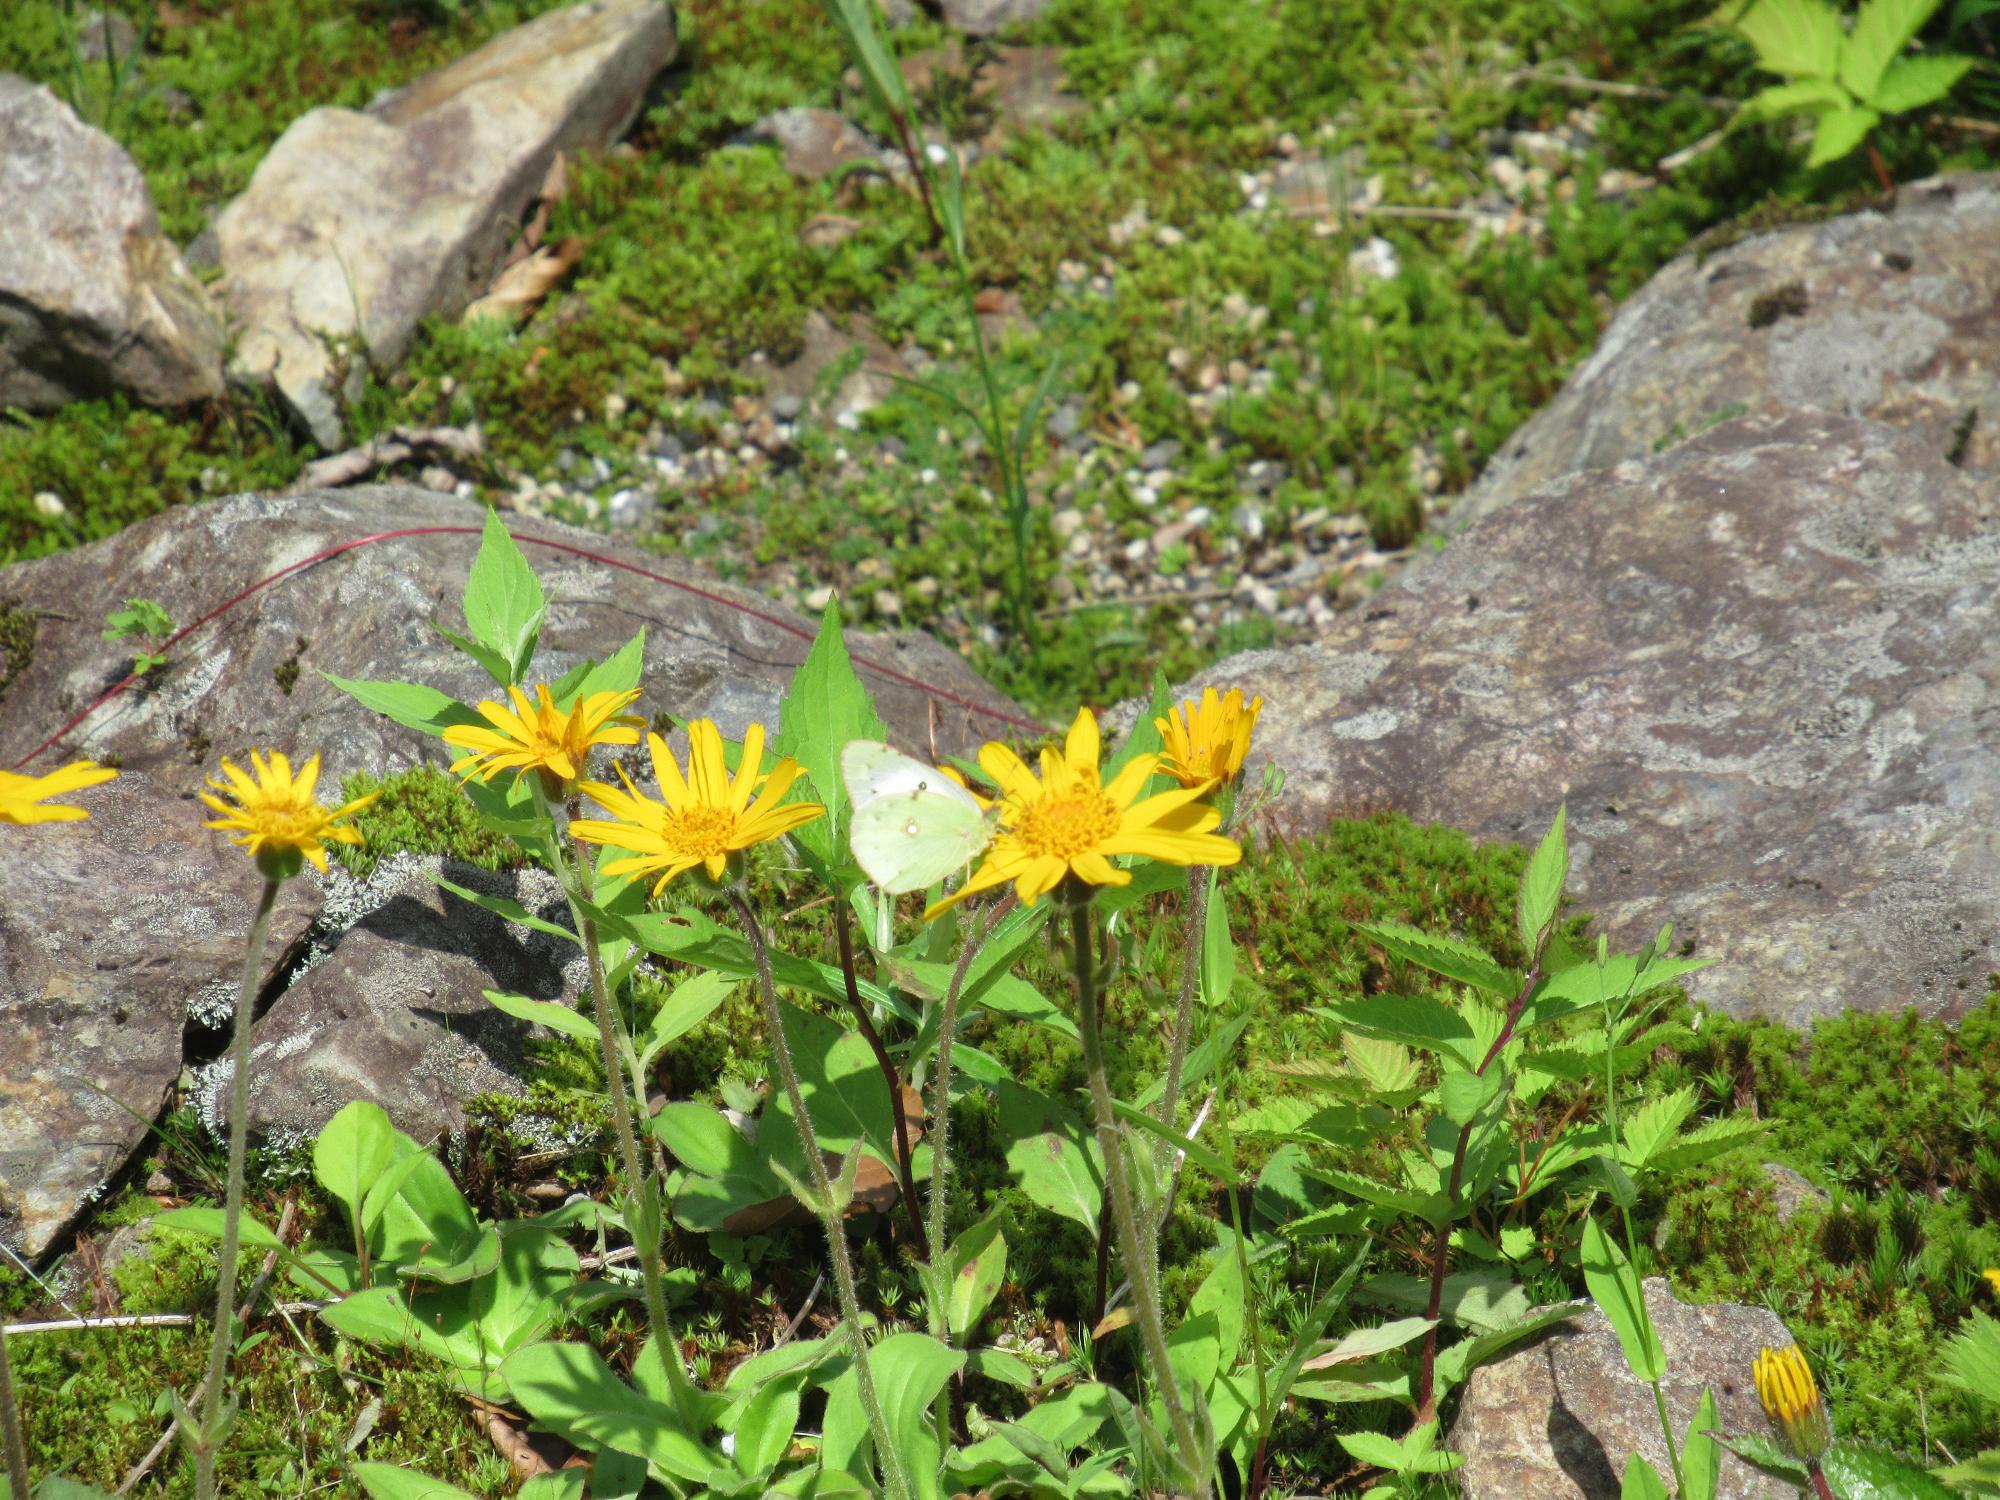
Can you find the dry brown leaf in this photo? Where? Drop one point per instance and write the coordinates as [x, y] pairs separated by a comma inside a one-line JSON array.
[[519, 289]]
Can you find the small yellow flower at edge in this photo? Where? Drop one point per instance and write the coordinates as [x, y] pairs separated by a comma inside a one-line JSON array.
[[1791, 1400], [706, 816], [1069, 823], [19, 795], [1992, 1278], [1208, 741], [275, 817], [539, 736]]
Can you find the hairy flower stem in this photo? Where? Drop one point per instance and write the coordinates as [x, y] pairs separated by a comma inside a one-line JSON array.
[[894, 1478], [1145, 1290], [207, 1438], [1818, 1476], [1200, 881], [940, 1122], [10, 1425], [891, 1079], [644, 1228]]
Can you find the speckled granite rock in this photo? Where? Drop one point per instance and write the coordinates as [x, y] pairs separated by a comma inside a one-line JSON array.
[[115, 931], [1763, 670], [1894, 316], [1559, 1418], [365, 222], [93, 297]]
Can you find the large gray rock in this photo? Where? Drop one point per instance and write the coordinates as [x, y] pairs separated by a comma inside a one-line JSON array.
[[360, 224], [1763, 671], [1559, 1419], [1893, 316], [985, 17], [93, 298], [117, 931]]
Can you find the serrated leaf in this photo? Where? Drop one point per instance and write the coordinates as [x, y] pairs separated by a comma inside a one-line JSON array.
[[1971, 1357], [1653, 1125], [1457, 960], [1419, 1021], [1432, 1208], [1463, 1094], [1705, 1143], [1478, 1301], [504, 606], [410, 704], [1367, 1343], [825, 706], [1803, 96], [1839, 131], [1858, 1473], [1384, 1066], [1881, 30], [1914, 82], [1794, 38], [1542, 884]]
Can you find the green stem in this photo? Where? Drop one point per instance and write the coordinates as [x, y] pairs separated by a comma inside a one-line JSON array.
[[641, 1224], [10, 1425], [1200, 881], [209, 1436], [1145, 1291], [896, 1480], [940, 1122]]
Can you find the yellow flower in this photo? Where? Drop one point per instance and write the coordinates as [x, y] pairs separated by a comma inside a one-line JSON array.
[[19, 794], [1207, 742], [1791, 1400], [275, 816], [706, 816], [1992, 1275], [1069, 823], [539, 736]]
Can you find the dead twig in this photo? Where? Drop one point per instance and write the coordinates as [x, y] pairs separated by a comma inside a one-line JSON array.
[[793, 1326], [396, 446], [87, 1325]]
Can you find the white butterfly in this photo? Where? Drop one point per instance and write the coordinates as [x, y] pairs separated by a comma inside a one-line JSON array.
[[913, 825]]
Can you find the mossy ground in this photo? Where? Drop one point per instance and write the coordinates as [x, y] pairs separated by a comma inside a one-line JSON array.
[[693, 263]]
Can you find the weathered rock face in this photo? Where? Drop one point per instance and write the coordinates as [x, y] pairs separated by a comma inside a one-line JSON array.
[[1762, 669], [1559, 1418], [364, 223], [815, 143], [1893, 316], [114, 931], [93, 298]]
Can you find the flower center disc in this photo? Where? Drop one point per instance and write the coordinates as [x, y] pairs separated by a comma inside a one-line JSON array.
[[700, 832], [1070, 824]]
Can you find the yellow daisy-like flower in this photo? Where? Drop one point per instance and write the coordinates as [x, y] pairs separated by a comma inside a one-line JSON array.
[[706, 817], [19, 795], [1207, 742], [1992, 1277], [539, 736], [275, 817], [1069, 823], [1791, 1400]]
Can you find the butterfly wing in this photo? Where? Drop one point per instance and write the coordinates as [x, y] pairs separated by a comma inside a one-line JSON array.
[[913, 825]]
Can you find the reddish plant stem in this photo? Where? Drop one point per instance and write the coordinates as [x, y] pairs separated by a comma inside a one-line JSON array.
[[1441, 1255], [890, 1076]]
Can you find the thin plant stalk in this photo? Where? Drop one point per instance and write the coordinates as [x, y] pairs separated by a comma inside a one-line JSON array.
[[1145, 1291], [1631, 1240], [208, 1436], [577, 889], [10, 1426], [1200, 882], [1818, 1476], [891, 1079], [827, 1209]]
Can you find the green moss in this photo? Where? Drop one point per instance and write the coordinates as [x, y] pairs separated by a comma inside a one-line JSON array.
[[421, 810], [17, 642], [286, 672]]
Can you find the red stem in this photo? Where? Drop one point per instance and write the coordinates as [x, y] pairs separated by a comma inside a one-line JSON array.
[[890, 1076]]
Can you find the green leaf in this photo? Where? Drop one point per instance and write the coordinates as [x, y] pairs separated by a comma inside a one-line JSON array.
[[208, 1222], [1368, 1343], [410, 704], [1971, 1357], [1459, 961], [1461, 1359], [1914, 82], [564, 1484], [1478, 1301], [352, 1152], [765, 1425], [495, 663], [1197, 1153], [693, 1001], [570, 1389], [1542, 883], [1704, 1143], [506, 907], [909, 1370], [1978, 1475], [504, 606], [1053, 1157], [1614, 1286], [1794, 38], [1642, 1482], [1768, 1459], [1655, 1124], [1839, 132], [1385, 1067], [1463, 1094], [1419, 1021], [423, 1218], [550, 1013], [1144, 738], [1882, 29], [617, 673], [1218, 951], [1858, 1473], [1701, 1457], [825, 707], [395, 1482], [978, 1265], [1432, 1208], [1806, 96]]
